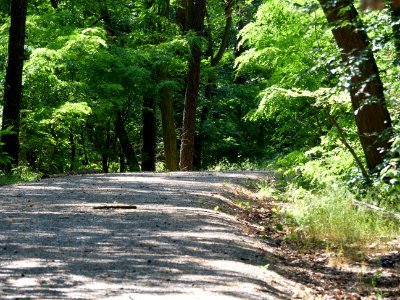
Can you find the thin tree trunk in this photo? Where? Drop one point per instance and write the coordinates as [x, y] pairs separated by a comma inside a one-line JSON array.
[[366, 89], [189, 113], [13, 81], [168, 125], [149, 135], [126, 146], [211, 81], [73, 149], [121, 161], [192, 90], [343, 139], [395, 14], [106, 152], [86, 159]]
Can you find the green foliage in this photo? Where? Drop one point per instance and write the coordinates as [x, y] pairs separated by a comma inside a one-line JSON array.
[[4, 157], [281, 44], [320, 206], [20, 174], [330, 217], [280, 41]]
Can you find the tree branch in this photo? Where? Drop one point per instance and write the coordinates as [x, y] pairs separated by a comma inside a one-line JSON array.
[[225, 40], [342, 138]]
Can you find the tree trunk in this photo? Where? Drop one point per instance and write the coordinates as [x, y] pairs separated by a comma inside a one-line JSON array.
[[121, 161], [395, 12], [149, 135], [54, 4], [126, 146], [73, 149], [211, 81], [189, 113], [106, 152], [13, 81], [366, 89], [197, 15], [168, 125], [85, 156]]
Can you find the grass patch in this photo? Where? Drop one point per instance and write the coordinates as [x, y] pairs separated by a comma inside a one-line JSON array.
[[319, 203], [331, 219], [20, 174]]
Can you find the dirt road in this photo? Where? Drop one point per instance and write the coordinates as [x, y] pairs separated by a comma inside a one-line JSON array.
[[162, 238]]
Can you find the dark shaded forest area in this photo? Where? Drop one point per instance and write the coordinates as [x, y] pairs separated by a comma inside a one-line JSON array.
[[307, 88]]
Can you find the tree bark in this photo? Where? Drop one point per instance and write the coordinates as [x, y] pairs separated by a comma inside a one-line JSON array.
[[126, 146], [168, 125], [395, 15], [197, 14], [86, 159], [149, 135], [73, 149], [106, 153], [211, 81], [366, 89], [13, 81]]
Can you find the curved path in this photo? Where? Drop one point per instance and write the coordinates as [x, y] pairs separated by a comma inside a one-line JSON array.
[[55, 245]]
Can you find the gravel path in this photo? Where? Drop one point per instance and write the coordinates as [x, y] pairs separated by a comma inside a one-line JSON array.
[[55, 245]]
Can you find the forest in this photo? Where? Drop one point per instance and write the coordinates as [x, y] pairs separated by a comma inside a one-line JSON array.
[[309, 89]]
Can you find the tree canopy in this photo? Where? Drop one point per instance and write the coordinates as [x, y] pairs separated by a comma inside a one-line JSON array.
[[162, 85]]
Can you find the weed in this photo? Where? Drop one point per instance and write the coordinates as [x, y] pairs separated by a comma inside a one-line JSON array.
[[375, 278], [243, 204]]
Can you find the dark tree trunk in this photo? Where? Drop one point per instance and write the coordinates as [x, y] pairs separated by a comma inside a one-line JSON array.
[[54, 4], [126, 146], [197, 14], [121, 161], [106, 152], [184, 13], [168, 125], [13, 81], [85, 156], [189, 113], [366, 89], [166, 11], [395, 12], [211, 81], [149, 135], [104, 162], [73, 149]]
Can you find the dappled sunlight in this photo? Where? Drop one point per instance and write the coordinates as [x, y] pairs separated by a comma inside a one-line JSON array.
[[62, 247], [32, 187], [29, 263]]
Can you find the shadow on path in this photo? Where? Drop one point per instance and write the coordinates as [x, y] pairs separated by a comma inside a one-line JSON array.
[[54, 245]]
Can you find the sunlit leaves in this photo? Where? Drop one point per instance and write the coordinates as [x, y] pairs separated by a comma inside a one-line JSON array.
[[280, 43]]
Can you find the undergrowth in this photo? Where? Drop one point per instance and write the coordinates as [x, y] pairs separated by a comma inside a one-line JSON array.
[[20, 174], [320, 189]]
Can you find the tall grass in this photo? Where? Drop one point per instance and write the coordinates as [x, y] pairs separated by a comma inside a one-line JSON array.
[[320, 203], [330, 217]]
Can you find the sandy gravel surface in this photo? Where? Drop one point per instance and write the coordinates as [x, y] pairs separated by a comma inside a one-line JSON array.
[[55, 245]]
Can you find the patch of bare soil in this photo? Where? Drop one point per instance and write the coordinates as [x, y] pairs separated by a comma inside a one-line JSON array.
[[161, 236]]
